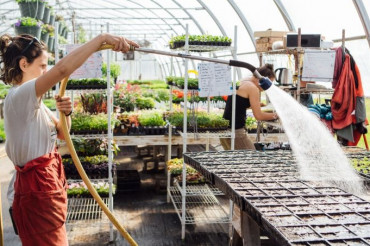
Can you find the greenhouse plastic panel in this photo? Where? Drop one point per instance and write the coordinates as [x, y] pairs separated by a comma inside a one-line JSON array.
[[293, 212]]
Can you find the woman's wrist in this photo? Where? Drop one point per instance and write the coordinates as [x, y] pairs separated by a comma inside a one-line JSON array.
[[275, 116], [68, 114]]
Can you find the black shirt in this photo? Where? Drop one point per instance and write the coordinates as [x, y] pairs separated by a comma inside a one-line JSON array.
[[242, 104]]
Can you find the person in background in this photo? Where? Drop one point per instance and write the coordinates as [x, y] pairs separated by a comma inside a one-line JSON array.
[[37, 192], [247, 96]]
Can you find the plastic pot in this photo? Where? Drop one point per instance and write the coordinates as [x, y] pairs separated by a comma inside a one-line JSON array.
[[32, 30], [32, 9]]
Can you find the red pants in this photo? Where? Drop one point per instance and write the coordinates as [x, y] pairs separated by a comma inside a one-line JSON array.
[[40, 202]]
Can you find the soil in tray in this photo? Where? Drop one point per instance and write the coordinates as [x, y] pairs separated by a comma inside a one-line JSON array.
[[242, 185], [349, 242], [262, 201], [290, 185], [333, 231], [278, 192], [333, 208], [283, 220], [262, 185], [362, 230], [319, 199], [348, 218], [273, 210], [330, 191], [301, 233], [250, 192], [292, 200], [304, 191], [304, 209], [347, 199], [317, 219], [359, 207]]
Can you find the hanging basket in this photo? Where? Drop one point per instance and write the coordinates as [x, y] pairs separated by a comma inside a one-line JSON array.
[[46, 17], [31, 30], [32, 9], [52, 20], [45, 37]]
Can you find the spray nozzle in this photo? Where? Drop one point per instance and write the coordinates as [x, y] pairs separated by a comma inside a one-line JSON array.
[[265, 83]]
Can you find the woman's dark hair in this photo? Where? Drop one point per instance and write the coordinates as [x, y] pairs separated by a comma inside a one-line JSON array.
[[12, 50], [267, 70]]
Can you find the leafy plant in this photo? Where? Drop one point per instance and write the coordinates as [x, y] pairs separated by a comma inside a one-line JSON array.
[[115, 70], [28, 21], [94, 103], [2, 131], [145, 103], [46, 28], [30, 1], [151, 118]]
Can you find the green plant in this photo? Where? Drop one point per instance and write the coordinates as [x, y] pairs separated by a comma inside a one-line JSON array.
[[145, 103], [46, 28], [151, 118], [251, 123], [50, 103], [2, 131], [28, 21], [115, 70], [94, 103], [4, 90], [62, 40], [30, 1]]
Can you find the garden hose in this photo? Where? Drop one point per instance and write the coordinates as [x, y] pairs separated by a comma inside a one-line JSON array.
[[1, 223], [82, 172]]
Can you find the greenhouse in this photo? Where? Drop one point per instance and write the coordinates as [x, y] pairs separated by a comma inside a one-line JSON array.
[[198, 122]]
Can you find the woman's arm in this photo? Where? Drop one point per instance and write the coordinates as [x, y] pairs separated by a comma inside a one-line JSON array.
[[76, 58], [254, 99]]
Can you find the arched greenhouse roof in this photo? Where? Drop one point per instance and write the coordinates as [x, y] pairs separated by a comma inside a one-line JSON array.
[[153, 22]]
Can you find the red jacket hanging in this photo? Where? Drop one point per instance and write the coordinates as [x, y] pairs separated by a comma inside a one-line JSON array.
[[348, 102], [40, 202]]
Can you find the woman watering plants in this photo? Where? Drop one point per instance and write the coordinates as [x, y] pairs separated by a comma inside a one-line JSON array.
[[38, 191], [247, 96]]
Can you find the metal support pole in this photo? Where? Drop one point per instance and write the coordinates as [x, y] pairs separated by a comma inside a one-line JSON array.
[[185, 135], [110, 138], [233, 95]]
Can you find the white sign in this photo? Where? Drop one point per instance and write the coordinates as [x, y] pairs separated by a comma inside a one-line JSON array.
[[214, 79], [318, 65], [92, 66]]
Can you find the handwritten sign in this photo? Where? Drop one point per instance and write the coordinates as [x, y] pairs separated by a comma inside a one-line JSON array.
[[91, 68], [214, 79], [318, 65]]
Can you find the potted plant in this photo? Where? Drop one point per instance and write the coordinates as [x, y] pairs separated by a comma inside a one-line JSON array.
[[62, 23], [46, 29], [47, 11], [28, 25], [32, 8], [52, 17]]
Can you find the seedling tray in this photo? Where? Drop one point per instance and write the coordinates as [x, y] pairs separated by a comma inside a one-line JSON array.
[[292, 211]]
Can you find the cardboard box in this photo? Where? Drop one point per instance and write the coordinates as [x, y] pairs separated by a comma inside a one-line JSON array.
[[270, 33], [268, 40]]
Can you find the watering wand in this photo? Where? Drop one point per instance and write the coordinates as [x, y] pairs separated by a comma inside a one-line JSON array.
[[264, 82]]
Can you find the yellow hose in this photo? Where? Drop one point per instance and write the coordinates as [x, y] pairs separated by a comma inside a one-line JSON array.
[[1, 223], [82, 172]]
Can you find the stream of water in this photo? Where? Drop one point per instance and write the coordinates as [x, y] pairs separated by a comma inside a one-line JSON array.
[[319, 156]]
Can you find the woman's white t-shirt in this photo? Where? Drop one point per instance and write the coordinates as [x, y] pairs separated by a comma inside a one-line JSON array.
[[30, 131]]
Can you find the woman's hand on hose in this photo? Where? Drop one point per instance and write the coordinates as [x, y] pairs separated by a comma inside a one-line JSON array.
[[120, 43], [64, 104]]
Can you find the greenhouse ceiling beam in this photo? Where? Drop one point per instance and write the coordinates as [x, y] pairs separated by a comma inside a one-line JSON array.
[[169, 25], [285, 15], [175, 32], [130, 8], [218, 23], [131, 18], [361, 10], [243, 20]]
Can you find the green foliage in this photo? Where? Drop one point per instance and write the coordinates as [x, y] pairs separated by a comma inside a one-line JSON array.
[[30, 1], [115, 70], [94, 103], [85, 122], [81, 36], [91, 147], [4, 90], [46, 28], [362, 165], [92, 81], [2, 131], [151, 118], [62, 40], [145, 103], [251, 123], [203, 120], [28, 21], [50, 103]]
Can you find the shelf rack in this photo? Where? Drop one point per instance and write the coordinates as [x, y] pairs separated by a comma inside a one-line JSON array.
[[86, 209]]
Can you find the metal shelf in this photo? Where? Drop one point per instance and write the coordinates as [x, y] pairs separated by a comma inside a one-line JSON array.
[[86, 209], [89, 136], [199, 190], [206, 48], [199, 209], [218, 134]]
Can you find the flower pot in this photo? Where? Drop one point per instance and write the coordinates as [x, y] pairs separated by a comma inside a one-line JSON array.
[[46, 17], [60, 28], [51, 44], [32, 9], [52, 20], [32, 30], [45, 37]]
